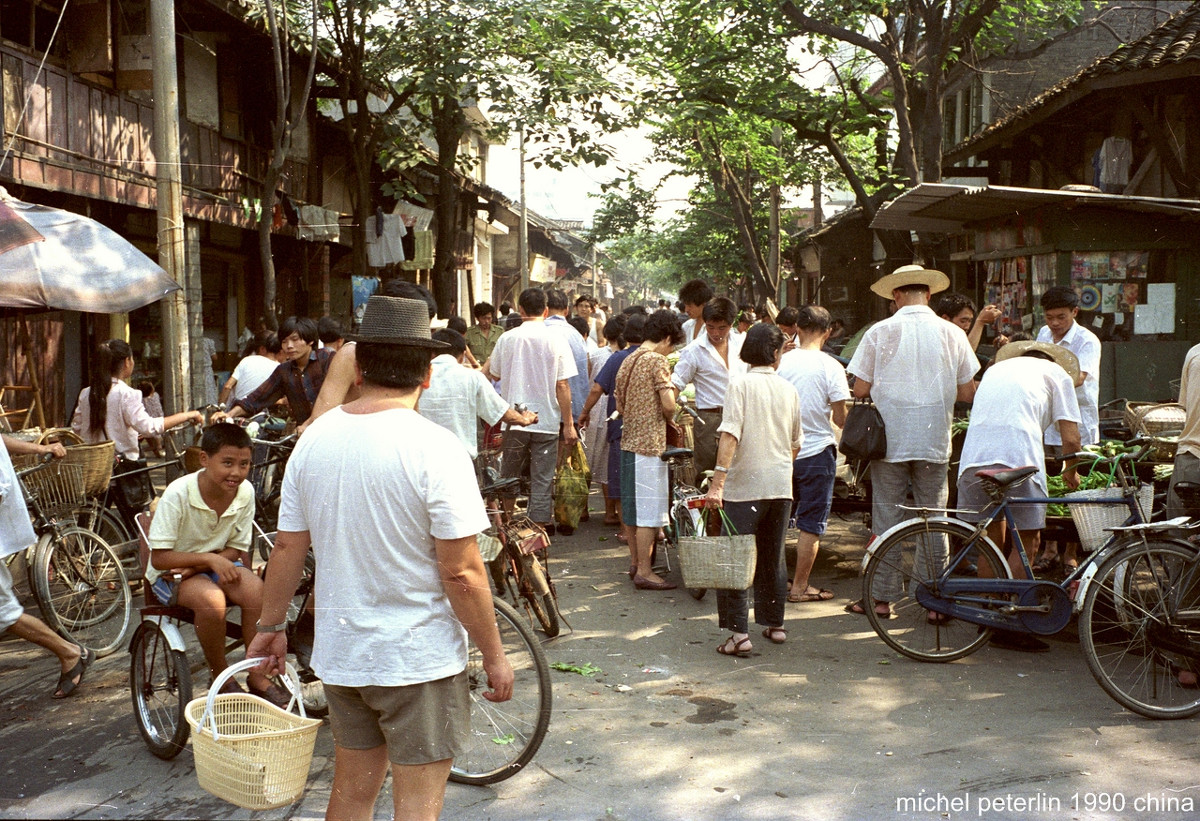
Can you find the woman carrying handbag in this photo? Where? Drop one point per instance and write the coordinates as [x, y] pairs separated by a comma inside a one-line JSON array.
[[753, 484]]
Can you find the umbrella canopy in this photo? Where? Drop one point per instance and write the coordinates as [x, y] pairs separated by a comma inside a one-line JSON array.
[[52, 259]]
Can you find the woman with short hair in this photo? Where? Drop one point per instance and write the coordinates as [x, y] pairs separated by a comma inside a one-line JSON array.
[[753, 483]]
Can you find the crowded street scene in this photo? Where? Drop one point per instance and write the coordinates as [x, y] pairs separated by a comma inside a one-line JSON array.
[[599, 411]]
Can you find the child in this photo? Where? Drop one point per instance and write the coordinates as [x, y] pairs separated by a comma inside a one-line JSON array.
[[153, 405], [201, 529]]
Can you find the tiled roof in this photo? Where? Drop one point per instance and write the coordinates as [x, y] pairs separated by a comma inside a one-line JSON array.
[[1176, 41]]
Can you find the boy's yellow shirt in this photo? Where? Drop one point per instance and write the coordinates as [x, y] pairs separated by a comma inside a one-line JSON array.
[[185, 522]]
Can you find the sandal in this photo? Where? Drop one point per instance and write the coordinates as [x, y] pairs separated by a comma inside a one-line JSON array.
[[776, 635], [856, 607], [69, 681], [273, 694], [1045, 564], [735, 648], [935, 618], [820, 594]]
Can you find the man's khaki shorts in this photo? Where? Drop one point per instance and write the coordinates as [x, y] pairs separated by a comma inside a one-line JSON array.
[[419, 723]]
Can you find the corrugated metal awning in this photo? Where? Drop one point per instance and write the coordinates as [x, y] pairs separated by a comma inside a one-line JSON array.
[[949, 208]]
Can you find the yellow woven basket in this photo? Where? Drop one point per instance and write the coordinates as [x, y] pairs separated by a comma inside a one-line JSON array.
[[248, 751]]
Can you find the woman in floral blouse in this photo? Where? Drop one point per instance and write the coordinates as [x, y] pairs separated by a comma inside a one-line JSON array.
[[646, 401]]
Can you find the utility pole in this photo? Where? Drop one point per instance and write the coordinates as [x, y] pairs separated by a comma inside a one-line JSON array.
[[523, 234], [176, 348], [595, 274]]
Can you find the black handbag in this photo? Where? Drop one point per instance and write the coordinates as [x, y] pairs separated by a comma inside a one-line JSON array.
[[863, 436], [133, 490]]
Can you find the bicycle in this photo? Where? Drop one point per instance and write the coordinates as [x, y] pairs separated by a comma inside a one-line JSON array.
[[1140, 623], [517, 567], [506, 735], [266, 473], [77, 579], [683, 517], [938, 611], [161, 678]]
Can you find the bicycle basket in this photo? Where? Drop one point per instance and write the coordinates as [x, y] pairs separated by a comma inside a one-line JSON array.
[[248, 751], [96, 462], [1091, 521], [58, 487]]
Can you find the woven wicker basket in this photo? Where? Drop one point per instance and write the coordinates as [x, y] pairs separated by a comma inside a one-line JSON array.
[[1091, 520], [248, 751], [1153, 418], [96, 462]]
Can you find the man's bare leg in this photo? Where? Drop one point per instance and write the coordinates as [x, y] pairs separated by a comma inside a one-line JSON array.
[[357, 779]]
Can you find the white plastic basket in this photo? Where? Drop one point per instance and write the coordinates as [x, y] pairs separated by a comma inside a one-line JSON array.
[[248, 751], [1092, 521]]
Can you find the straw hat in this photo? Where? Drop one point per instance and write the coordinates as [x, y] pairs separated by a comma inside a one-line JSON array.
[[392, 320], [1068, 360], [910, 275]]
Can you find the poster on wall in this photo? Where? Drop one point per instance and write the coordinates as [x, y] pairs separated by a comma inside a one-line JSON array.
[[1157, 315]]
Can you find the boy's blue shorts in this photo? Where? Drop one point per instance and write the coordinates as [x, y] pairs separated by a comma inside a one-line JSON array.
[[166, 589]]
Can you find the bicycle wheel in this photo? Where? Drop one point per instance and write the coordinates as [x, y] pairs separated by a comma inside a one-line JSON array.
[[160, 684], [913, 560], [538, 594], [506, 735], [1140, 628], [82, 589], [106, 524]]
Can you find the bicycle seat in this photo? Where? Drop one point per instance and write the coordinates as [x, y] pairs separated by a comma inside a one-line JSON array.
[[1006, 476], [500, 486], [676, 453]]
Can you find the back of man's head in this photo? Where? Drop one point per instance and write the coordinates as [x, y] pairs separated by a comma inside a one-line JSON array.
[[456, 341], [329, 330], [580, 324], [410, 290], [557, 302], [634, 309], [635, 329], [695, 292], [787, 316], [532, 302], [812, 319]]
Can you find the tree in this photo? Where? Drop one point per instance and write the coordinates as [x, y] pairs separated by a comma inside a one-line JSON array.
[[918, 43], [549, 67], [290, 110]]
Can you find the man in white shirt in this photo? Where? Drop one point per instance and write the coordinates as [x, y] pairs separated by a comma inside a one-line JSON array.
[[1030, 387], [820, 381], [457, 395], [1061, 305], [694, 295], [388, 503], [707, 363], [533, 365], [914, 366], [254, 369], [557, 307], [1187, 453]]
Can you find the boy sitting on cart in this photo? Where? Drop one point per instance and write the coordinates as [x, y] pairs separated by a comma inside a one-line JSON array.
[[200, 531]]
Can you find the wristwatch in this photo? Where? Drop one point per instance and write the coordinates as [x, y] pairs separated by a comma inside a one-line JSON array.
[[259, 627]]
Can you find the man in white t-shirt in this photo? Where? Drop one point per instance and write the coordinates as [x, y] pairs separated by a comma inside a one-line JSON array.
[[254, 369], [533, 365], [914, 366], [388, 502], [457, 396], [1029, 388], [557, 307], [820, 381], [1061, 307]]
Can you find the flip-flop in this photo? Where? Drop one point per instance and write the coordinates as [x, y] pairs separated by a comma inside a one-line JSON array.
[[821, 595], [67, 682], [1046, 564], [856, 608], [737, 649]]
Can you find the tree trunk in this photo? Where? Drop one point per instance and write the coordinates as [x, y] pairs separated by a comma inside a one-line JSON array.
[[448, 128]]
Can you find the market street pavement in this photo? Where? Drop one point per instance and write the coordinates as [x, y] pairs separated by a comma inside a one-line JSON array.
[[830, 725]]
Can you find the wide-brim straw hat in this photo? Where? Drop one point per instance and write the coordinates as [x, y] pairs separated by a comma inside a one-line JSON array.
[[393, 320], [910, 275], [1068, 360]]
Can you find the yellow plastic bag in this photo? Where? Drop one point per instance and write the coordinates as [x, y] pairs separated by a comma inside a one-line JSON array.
[[571, 487]]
